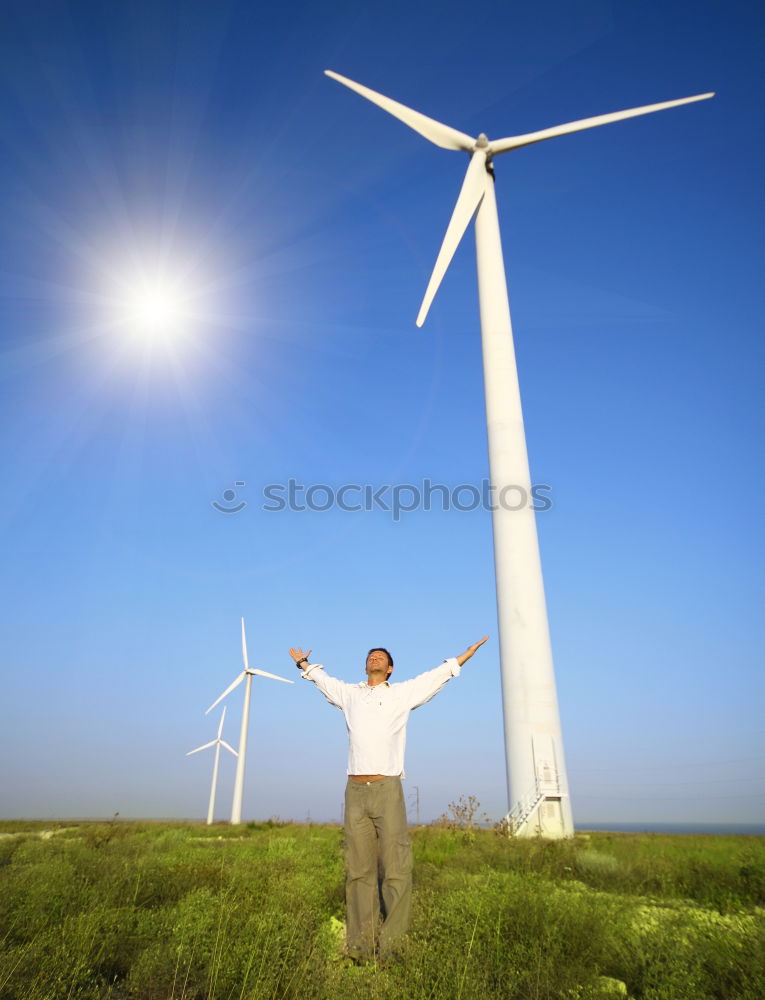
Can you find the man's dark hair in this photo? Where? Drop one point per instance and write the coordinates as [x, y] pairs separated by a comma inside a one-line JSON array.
[[382, 649]]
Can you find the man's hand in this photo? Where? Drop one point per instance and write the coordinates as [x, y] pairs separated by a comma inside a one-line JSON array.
[[298, 655], [470, 650]]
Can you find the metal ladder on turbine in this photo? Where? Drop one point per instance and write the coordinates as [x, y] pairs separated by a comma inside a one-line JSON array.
[[524, 808]]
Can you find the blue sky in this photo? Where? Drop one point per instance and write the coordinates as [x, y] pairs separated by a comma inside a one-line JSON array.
[[203, 138]]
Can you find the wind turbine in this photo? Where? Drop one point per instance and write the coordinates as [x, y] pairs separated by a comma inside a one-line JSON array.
[[246, 675], [218, 742], [538, 792]]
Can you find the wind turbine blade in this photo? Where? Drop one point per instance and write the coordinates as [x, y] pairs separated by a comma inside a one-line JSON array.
[[469, 199], [262, 673], [224, 744], [513, 142], [211, 744], [220, 726], [244, 648], [438, 133], [228, 690]]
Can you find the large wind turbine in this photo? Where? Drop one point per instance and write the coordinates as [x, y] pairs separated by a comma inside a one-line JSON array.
[[246, 676], [538, 792], [218, 742]]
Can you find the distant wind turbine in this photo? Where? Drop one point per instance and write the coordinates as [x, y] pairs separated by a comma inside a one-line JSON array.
[[538, 792], [218, 742], [246, 676]]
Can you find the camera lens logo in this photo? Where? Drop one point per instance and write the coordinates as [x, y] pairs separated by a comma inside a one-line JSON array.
[[229, 496]]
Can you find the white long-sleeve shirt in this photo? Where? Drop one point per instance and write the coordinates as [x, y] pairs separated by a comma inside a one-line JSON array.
[[376, 717]]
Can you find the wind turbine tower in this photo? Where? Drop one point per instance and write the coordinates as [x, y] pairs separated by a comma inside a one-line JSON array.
[[218, 742], [246, 675], [538, 793]]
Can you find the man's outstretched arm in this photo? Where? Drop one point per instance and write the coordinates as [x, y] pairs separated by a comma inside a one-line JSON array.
[[463, 657], [300, 658], [330, 687], [421, 689]]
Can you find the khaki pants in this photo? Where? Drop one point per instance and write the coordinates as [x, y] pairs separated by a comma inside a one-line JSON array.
[[376, 834]]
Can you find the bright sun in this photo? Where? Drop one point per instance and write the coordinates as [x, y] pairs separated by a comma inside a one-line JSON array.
[[158, 309], [154, 299]]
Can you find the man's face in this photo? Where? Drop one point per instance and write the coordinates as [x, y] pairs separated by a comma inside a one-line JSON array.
[[377, 669]]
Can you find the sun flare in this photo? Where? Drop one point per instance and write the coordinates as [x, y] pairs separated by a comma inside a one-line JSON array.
[[150, 300], [152, 309]]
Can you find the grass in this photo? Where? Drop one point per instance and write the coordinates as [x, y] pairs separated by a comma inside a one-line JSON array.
[[139, 911]]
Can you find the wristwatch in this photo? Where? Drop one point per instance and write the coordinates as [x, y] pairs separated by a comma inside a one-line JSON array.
[[303, 659]]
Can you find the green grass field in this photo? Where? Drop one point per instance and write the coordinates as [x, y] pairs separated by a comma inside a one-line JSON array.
[[180, 912]]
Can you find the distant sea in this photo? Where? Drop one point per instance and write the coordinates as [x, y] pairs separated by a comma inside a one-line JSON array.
[[751, 829]]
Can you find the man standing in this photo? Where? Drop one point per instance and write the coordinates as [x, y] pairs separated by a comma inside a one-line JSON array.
[[376, 713]]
